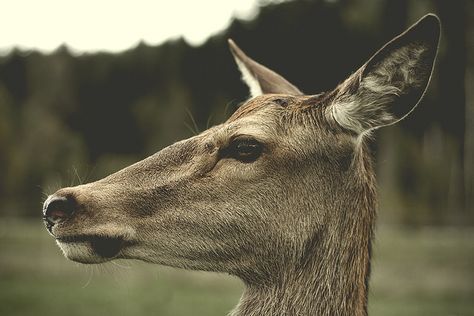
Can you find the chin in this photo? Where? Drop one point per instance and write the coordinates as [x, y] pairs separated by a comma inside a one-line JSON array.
[[92, 249]]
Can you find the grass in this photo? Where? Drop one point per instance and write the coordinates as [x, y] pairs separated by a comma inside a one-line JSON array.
[[426, 272]]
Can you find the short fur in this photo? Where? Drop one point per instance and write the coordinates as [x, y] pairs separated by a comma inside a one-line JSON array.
[[296, 225]]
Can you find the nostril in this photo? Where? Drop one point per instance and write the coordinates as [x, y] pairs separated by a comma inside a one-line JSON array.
[[57, 209]]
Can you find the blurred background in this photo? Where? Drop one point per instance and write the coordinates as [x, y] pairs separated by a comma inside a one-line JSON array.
[[72, 114]]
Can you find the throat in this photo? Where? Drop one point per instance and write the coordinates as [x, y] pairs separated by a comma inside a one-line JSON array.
[[331, 284]]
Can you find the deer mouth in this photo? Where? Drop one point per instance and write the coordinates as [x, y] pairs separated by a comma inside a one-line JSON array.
[[104, 247]]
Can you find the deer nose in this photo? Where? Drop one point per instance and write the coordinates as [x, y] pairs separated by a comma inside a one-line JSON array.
[[58, 208]]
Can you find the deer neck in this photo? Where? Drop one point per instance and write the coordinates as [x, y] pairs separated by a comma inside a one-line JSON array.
[[334, 287], [332, 276]]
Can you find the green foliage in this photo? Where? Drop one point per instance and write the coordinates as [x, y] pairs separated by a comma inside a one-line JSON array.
[[68, 119]]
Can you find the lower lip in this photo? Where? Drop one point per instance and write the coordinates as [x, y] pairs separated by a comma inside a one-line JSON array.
[[105, 247]]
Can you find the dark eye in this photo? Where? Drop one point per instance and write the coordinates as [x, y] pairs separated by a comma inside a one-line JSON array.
[[244, 149]]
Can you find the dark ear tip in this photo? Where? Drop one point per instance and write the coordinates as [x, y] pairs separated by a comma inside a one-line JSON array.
[[430, 21], [428, 28], [431, 18]]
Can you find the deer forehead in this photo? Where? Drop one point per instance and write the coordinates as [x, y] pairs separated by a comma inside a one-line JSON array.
[[265, 117]]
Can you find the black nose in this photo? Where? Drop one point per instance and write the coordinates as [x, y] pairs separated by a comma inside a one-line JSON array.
[[57, 209]]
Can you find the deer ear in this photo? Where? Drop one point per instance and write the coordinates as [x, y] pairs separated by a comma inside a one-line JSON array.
[[259, 78], [390, 85]]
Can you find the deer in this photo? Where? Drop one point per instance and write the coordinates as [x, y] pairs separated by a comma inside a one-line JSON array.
[[282, 195]]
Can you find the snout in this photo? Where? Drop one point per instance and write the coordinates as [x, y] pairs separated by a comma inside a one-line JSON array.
[[86, 229]]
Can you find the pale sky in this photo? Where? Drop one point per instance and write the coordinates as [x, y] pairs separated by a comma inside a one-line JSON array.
[[107, 25]]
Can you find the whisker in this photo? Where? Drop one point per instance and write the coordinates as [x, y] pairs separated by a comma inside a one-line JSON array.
[[90, 273], [226, 108], [77, 175], [193, 121], [208, 121], [90, 173], [124, 266], [190, 129]]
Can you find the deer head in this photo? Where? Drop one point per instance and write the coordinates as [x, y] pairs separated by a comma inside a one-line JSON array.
[[282, 194]]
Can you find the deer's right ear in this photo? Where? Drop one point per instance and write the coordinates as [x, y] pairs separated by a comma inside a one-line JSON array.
[[389, 86], [259, 78]]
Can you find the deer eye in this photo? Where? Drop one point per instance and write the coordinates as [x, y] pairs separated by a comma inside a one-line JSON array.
[[245, 149]]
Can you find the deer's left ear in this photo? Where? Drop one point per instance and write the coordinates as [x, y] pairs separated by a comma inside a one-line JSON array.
[[389, 86], [259, 78]]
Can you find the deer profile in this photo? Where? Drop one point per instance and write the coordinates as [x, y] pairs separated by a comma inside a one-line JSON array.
[[282, 195]]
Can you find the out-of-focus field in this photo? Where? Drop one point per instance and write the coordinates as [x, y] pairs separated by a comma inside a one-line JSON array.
[[423, 272]]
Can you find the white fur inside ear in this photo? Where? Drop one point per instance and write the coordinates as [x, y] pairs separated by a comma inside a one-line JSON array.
[[249, 79], [366, 109], [369, 107]]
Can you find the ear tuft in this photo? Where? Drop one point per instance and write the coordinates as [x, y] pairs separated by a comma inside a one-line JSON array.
[[259, 78]]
